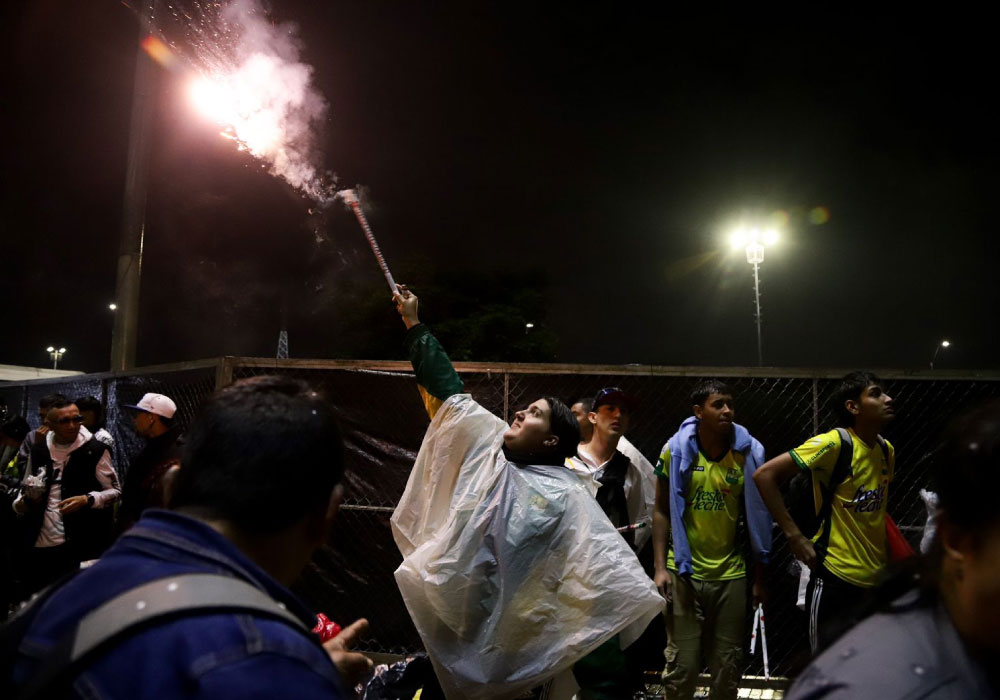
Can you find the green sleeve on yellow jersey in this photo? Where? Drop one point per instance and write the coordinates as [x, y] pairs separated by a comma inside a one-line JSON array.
[[662, 468], [818, 454]]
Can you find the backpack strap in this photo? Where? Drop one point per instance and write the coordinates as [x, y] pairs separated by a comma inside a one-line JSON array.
[[151, 603], [841, 470], [884, 447]]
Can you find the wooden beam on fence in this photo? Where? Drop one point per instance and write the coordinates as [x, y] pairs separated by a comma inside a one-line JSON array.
[[529, 368], [224, 372]]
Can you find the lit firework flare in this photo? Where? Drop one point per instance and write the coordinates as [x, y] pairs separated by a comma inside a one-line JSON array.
[[246, 77]]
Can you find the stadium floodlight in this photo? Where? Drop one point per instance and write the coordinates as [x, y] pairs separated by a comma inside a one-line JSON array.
[[937, 349], [55, 355]]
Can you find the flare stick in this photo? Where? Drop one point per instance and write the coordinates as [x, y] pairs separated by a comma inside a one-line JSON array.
[[350, 198]]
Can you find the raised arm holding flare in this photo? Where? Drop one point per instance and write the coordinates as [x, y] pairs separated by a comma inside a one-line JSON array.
[[511, 571]]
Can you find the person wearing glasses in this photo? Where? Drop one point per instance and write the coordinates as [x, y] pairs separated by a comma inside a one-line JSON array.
[[66, 498]]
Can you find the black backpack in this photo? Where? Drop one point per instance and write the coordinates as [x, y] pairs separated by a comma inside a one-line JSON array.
[[799, 499]]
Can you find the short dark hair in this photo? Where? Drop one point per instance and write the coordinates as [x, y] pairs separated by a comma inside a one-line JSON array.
[[703, 390], [965, 466], [262, 454], [91, 403], [851, 387], [563, 424], [60, 403], [50, 400], [587, 401]]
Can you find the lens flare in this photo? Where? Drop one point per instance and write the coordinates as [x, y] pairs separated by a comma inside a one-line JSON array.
[[819, 215], [159, 52], [780, 219]]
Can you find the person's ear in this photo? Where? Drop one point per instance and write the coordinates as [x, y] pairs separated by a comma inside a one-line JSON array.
[[955, 543], [592, 417], [852, 407], [336, 498], [551, 441], [698, 412], [169, 481], [318, 523]]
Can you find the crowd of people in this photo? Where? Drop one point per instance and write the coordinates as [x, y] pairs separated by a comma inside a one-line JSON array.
[[520, 547], [63, 500]]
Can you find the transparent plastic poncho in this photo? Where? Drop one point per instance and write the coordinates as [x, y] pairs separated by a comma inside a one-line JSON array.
[[510, 573]]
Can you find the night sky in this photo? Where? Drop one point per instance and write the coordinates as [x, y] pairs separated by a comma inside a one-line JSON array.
[[593, 159]]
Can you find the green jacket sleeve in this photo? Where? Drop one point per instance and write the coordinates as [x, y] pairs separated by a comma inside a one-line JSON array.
[[436, 377]]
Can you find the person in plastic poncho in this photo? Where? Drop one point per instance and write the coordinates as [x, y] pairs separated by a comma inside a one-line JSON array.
[[511, 571]]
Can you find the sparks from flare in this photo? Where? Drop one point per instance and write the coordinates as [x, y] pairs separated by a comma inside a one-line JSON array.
[[247, 78]]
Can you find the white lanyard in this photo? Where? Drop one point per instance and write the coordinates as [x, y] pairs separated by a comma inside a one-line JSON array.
[[758, 621]]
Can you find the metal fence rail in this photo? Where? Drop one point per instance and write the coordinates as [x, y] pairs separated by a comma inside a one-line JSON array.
[[384, 422]]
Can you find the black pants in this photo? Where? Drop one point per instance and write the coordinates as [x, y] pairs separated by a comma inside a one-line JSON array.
[[833, 605], [46, 565]]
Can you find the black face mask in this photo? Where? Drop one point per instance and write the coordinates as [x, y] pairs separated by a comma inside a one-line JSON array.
[[552, 458]]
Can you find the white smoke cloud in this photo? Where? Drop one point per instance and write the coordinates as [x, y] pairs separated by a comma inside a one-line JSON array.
[[256, 86]]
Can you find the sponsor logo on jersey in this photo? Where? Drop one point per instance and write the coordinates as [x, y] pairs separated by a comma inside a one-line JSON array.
[[708, 500], [867, 500], [826, 448]]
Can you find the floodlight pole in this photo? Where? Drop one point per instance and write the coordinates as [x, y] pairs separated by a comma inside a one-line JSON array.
[[126, 328], [756, 296], [755, 256], [937, 349]]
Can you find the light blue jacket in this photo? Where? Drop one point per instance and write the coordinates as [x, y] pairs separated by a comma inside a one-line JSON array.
[[683, 448]]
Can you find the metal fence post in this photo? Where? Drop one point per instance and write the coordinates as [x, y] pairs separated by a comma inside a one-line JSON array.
[[815, 383], [506, 397], [224, 372]]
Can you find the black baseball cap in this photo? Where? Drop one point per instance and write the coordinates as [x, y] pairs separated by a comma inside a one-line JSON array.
[[614, 396]]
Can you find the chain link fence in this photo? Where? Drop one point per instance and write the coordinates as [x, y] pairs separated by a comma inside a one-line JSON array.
[[383, 422]]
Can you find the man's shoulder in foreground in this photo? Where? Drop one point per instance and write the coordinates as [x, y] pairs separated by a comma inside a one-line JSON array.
[[216, 655], [213, 656], [912, 653]]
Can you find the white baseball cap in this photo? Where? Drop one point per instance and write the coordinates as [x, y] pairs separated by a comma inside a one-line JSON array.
[[157, 404]]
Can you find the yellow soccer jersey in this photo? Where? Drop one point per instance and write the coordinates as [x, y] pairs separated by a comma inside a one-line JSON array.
[[857, 547], [711, 510]]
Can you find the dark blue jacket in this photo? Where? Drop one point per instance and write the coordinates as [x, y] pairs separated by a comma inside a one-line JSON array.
[[210, 656], [913, 651]]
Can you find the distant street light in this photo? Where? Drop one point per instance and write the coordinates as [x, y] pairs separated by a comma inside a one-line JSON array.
[[753, 240], [937, 349], [113, 306], [529, 325], [56, 355]]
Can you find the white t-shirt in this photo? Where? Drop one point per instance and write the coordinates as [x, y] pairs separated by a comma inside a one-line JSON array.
[[53, 532]]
